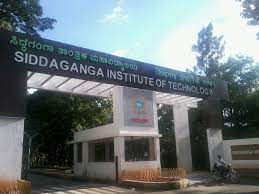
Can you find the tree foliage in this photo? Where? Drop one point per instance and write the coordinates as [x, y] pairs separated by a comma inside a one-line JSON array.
[[167, 141], [55, 117], [242, 75], [250, 11], [241, 117], [25, 16], [253, 115], [209, 49]]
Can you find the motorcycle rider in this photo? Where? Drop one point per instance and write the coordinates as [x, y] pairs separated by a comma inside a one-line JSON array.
[[220, 161], [220, 164], [224, 171]]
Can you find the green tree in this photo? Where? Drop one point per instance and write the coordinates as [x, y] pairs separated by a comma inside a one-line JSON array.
[[250, 11], [55, 117], [167, 141], [25, 16], [242, 74], [209, 49]]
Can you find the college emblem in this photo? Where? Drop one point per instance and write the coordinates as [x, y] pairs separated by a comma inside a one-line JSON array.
[[139, 109]]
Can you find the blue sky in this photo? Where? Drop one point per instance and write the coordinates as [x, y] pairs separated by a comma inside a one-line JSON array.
[[154, 31]]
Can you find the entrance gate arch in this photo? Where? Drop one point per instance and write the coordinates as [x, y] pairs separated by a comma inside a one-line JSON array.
[[33, 62]]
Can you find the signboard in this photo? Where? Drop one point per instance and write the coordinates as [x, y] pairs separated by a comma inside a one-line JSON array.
[[245, 152], [138, 107], [55, 58]]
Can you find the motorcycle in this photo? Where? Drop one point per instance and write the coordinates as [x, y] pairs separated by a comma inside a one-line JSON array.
[[226, 173]]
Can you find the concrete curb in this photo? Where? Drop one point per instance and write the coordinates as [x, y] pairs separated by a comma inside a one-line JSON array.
[[157, 186]]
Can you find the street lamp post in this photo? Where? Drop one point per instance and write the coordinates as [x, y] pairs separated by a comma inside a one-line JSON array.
[[29, 151]]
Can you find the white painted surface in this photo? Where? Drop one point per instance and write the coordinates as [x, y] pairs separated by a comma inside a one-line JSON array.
[[215, 145], [119, 150], [101, 132], [101, 170], [240, 163], [182, 137], [141, 165], [118, 113], [70, 85], [157, 152], [119, 144], [117, 130], [123, 165], [118, 117], [80, 167], [11, 147]]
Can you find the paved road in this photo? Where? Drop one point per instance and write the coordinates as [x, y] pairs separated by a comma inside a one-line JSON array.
[[45, 184], [200, 184], [224, 189]]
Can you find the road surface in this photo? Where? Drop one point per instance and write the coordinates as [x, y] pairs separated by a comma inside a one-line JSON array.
[[200, 184]]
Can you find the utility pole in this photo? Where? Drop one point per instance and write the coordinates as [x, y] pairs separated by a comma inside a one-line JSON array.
[[29, 151]]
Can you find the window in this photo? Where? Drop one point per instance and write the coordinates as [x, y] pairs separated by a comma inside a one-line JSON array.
[[79, 152], [139, 149], [101, 151]]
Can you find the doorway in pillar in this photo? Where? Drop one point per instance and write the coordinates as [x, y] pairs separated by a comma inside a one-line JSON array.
[[199, 142]]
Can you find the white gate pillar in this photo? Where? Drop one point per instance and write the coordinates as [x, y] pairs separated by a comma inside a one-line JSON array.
[[119, 151], [11, 146], [13, 84], [215, 145], [182, 137]]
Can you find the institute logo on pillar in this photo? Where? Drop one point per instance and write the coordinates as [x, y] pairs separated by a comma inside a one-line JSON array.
[[139, 110]]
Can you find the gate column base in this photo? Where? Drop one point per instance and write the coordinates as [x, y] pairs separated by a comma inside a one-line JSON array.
[[11, 147]]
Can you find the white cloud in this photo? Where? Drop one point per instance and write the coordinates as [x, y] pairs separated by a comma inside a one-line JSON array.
[[127, 52], [121, 52], [175, 49], [117, 14]]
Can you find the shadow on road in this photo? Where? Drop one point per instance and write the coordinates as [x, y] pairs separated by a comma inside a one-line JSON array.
[[46, 184], [199, 184], [249, 181], [238, 193]]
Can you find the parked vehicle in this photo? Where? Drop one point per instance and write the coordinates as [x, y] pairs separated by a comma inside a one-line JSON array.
[[225, 172]]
